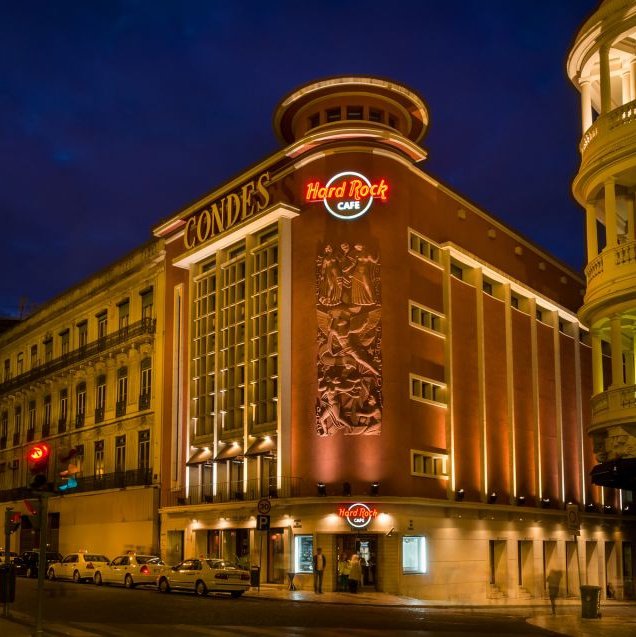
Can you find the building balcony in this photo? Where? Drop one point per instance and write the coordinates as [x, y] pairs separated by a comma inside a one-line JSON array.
[[136, 332], [144, 402], [610, 139], [120, 408], [99, 415], [613, 423], [610, 276], [235, 492]]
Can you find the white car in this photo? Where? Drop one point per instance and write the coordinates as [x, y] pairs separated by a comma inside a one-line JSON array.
[[77, 566], [130, 570], [205, 575]]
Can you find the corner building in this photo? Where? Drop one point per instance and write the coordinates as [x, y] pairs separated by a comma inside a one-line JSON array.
[[393, 369]]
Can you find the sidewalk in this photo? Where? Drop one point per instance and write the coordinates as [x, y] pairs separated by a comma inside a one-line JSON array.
[[618, 618]]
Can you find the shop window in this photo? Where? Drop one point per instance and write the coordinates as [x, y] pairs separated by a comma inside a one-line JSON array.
[[303, 553], [422, 247], [423, 318], [414, 554]]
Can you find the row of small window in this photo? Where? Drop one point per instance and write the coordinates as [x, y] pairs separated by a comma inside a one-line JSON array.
[[426, 390], [429, 464], [64, 343], [413, 554], [98, 466], [80, 401], [336, 113]]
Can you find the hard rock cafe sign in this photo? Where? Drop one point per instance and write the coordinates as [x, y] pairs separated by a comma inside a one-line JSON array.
[[347, 195], [358, 515]]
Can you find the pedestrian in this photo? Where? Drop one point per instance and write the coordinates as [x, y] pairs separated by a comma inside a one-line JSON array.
[[320, 563], [344, 567], [355, 573], [554, 581]]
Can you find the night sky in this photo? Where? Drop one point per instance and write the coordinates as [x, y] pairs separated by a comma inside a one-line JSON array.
[[115, 114]]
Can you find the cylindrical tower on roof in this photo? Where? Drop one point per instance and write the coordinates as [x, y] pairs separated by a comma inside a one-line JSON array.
[[602, 66]]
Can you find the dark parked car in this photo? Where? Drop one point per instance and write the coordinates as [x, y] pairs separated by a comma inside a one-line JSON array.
[[27, 563]]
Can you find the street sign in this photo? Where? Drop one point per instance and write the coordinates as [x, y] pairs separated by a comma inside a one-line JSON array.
[[574, 522], [264, 506], [262, 522]]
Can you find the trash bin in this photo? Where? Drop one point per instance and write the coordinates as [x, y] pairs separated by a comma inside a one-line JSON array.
[[255, 576], [7, 583], [590, 602]]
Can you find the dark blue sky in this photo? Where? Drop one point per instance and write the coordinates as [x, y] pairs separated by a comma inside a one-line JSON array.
[[113, 114]]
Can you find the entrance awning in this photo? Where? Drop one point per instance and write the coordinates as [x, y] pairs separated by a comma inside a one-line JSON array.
[[231, 450], [199, 456], [262, 446]]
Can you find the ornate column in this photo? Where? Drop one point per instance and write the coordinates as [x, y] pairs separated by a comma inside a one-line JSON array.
[[586, 105], [610, 213], [597, 363], [616, 337], [590, 231], [626, 85], [606, 86]]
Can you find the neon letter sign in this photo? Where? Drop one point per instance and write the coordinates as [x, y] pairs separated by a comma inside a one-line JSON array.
[[347, 195], [358, 515]]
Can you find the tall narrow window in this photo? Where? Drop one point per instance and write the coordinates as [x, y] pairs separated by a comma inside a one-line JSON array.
[[80, 404], [99, 458], [63, 410], [31, 422], [120, 454], [146, 304], [146, 380], [102, 324], [122, 391], [82, 334], [78, 458], [20, 363], [7, 369], [48, 350], [17, 425], [34, 356], [143, 455], [65, 341], [124, 313], [100, 398], [46, 421], [4, 429]]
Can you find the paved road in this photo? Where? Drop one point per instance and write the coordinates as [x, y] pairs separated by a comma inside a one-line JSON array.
[[84, 609]]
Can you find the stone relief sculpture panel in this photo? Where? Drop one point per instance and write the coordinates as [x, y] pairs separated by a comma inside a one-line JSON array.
[[349, 338]]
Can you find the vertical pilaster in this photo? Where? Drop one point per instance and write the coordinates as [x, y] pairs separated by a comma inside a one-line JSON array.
[[579, 410], [448, 377], [510, 387], [597, 363], [534, 363], [559, 403], [481, 375], [586, 105]]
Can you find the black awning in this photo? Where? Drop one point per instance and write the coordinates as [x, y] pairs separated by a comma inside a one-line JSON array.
[[262, 446], [200, 456], [617, 474], [229, 451]]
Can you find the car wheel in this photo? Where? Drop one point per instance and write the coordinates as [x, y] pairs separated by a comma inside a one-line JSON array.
[[164, 586], [128, 581], [76, 577], [236, 594], [98, 578], [51, 574], [200, 588]]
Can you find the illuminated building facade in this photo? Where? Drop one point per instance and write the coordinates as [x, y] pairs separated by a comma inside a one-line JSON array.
[[81, 374], [602, 65], [393, 369]]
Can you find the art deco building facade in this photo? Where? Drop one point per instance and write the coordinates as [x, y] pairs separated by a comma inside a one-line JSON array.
[[391, 368], [81, 374], [602, 65]]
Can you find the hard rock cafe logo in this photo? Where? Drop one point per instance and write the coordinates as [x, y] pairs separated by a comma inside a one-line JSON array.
[[347, 195], [358, 515]]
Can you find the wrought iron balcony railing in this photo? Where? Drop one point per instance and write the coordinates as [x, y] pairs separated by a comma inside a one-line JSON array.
[[144, 401], [79, 420], [120, 409], [145, 326], [99, 415], [235, 491]]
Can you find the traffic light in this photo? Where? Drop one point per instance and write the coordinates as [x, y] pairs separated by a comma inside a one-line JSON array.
[[12, 521], [38, 460]]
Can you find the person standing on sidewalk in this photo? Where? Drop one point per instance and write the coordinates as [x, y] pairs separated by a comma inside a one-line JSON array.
[[320, 563], [355, 573], [554, 581]]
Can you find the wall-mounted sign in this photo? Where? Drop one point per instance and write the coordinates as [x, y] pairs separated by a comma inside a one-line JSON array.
[[223, 214], [347, 195], [358, 515]]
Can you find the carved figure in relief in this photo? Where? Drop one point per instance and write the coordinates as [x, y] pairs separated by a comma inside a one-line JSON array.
[[349, 335]]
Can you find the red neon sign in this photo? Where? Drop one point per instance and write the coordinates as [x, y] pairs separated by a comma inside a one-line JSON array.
[[358, 515], [38, 452], [347, 195]]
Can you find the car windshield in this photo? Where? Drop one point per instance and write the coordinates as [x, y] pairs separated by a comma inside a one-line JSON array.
[[148, 559], [96, 558], [221, 564]]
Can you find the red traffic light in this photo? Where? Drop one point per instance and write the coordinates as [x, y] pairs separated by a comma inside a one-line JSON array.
[[39, 452]]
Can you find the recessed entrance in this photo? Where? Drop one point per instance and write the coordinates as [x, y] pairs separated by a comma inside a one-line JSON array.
[[366, 546]]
